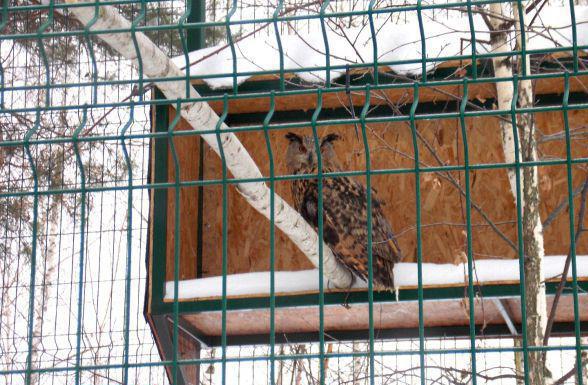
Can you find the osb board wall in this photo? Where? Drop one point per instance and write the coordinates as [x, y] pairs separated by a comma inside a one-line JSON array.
[[443, 207]]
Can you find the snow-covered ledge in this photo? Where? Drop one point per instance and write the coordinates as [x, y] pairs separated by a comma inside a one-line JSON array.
[[405, 274], [157, 65]]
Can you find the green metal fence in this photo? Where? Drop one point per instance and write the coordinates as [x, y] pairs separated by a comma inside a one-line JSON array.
[[79, 124]]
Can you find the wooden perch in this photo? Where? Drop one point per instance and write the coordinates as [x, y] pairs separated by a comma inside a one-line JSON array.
[[157, 65]]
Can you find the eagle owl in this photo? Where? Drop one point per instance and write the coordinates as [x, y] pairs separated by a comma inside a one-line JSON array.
[[344, 211]]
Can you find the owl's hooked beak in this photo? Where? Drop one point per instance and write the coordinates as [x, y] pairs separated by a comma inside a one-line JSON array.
[[309, 158]]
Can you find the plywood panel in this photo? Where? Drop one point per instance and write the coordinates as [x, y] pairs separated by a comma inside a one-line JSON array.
[[188, 154], [443, 207], [400, 315]]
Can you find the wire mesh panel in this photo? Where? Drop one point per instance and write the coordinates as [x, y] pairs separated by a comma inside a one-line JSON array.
[[297, 192]]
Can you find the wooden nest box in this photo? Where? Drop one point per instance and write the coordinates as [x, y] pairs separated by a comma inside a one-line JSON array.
[[443, 229]]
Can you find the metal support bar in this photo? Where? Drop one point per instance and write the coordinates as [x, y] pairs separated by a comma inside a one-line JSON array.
[[505, 315], [191, 331]]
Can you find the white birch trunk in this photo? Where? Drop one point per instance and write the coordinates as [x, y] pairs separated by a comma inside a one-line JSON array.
[[48, 227], [504, 90], [201, 116], [536, 304]]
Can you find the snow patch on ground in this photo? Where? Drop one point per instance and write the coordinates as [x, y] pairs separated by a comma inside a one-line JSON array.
[[396, 43], [405, 274]]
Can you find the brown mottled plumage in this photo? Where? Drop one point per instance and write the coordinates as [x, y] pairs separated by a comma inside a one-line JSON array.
[[344, 211]]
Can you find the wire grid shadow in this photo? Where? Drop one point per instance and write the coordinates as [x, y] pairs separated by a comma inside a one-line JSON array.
[[465, 119]]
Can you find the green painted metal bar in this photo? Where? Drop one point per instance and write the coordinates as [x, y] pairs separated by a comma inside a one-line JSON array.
[[81, 264], [523, 38], [419, 10], [550, 105], [370, 290], [277, 11], [31, 321], [160, 198], [574, 36], [139, 55], [571, 212], [272, 243], [393, 82], [177, 240], [4, 16], [90, 44], [43, 53], [521, 250], [182, 31], [418, 221], [320, 214], [129, 231], [209, 182], [322, 10], [225, 236], [474, 59], [233, 74], [244, 21], [375, 57], [290, 357], [355, 297], [197, 15], [289, 92], [468, 217]]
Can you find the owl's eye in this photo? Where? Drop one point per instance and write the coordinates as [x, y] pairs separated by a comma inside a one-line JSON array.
[[302, 149]]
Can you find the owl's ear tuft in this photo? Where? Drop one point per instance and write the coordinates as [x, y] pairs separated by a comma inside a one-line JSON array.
[[292, 137], [330, 138]]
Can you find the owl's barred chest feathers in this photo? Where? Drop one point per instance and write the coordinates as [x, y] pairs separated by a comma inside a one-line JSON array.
[[345, 225]]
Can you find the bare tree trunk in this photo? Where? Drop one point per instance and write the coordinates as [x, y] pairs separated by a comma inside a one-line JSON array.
[[535, 305]]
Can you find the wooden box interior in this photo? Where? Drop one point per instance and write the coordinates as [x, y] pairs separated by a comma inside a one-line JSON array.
[[391, 147]]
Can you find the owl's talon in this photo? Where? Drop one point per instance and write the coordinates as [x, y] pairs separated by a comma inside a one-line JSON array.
[[345, 303]]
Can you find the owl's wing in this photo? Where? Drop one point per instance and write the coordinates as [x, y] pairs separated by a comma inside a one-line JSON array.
[[383, 238], [345, 227], [344, 245]]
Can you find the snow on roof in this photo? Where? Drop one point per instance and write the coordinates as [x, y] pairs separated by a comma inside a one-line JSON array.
[[445, 36], [405, 275]]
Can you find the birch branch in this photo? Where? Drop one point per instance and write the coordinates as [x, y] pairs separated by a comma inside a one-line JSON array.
[[201, 116]]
